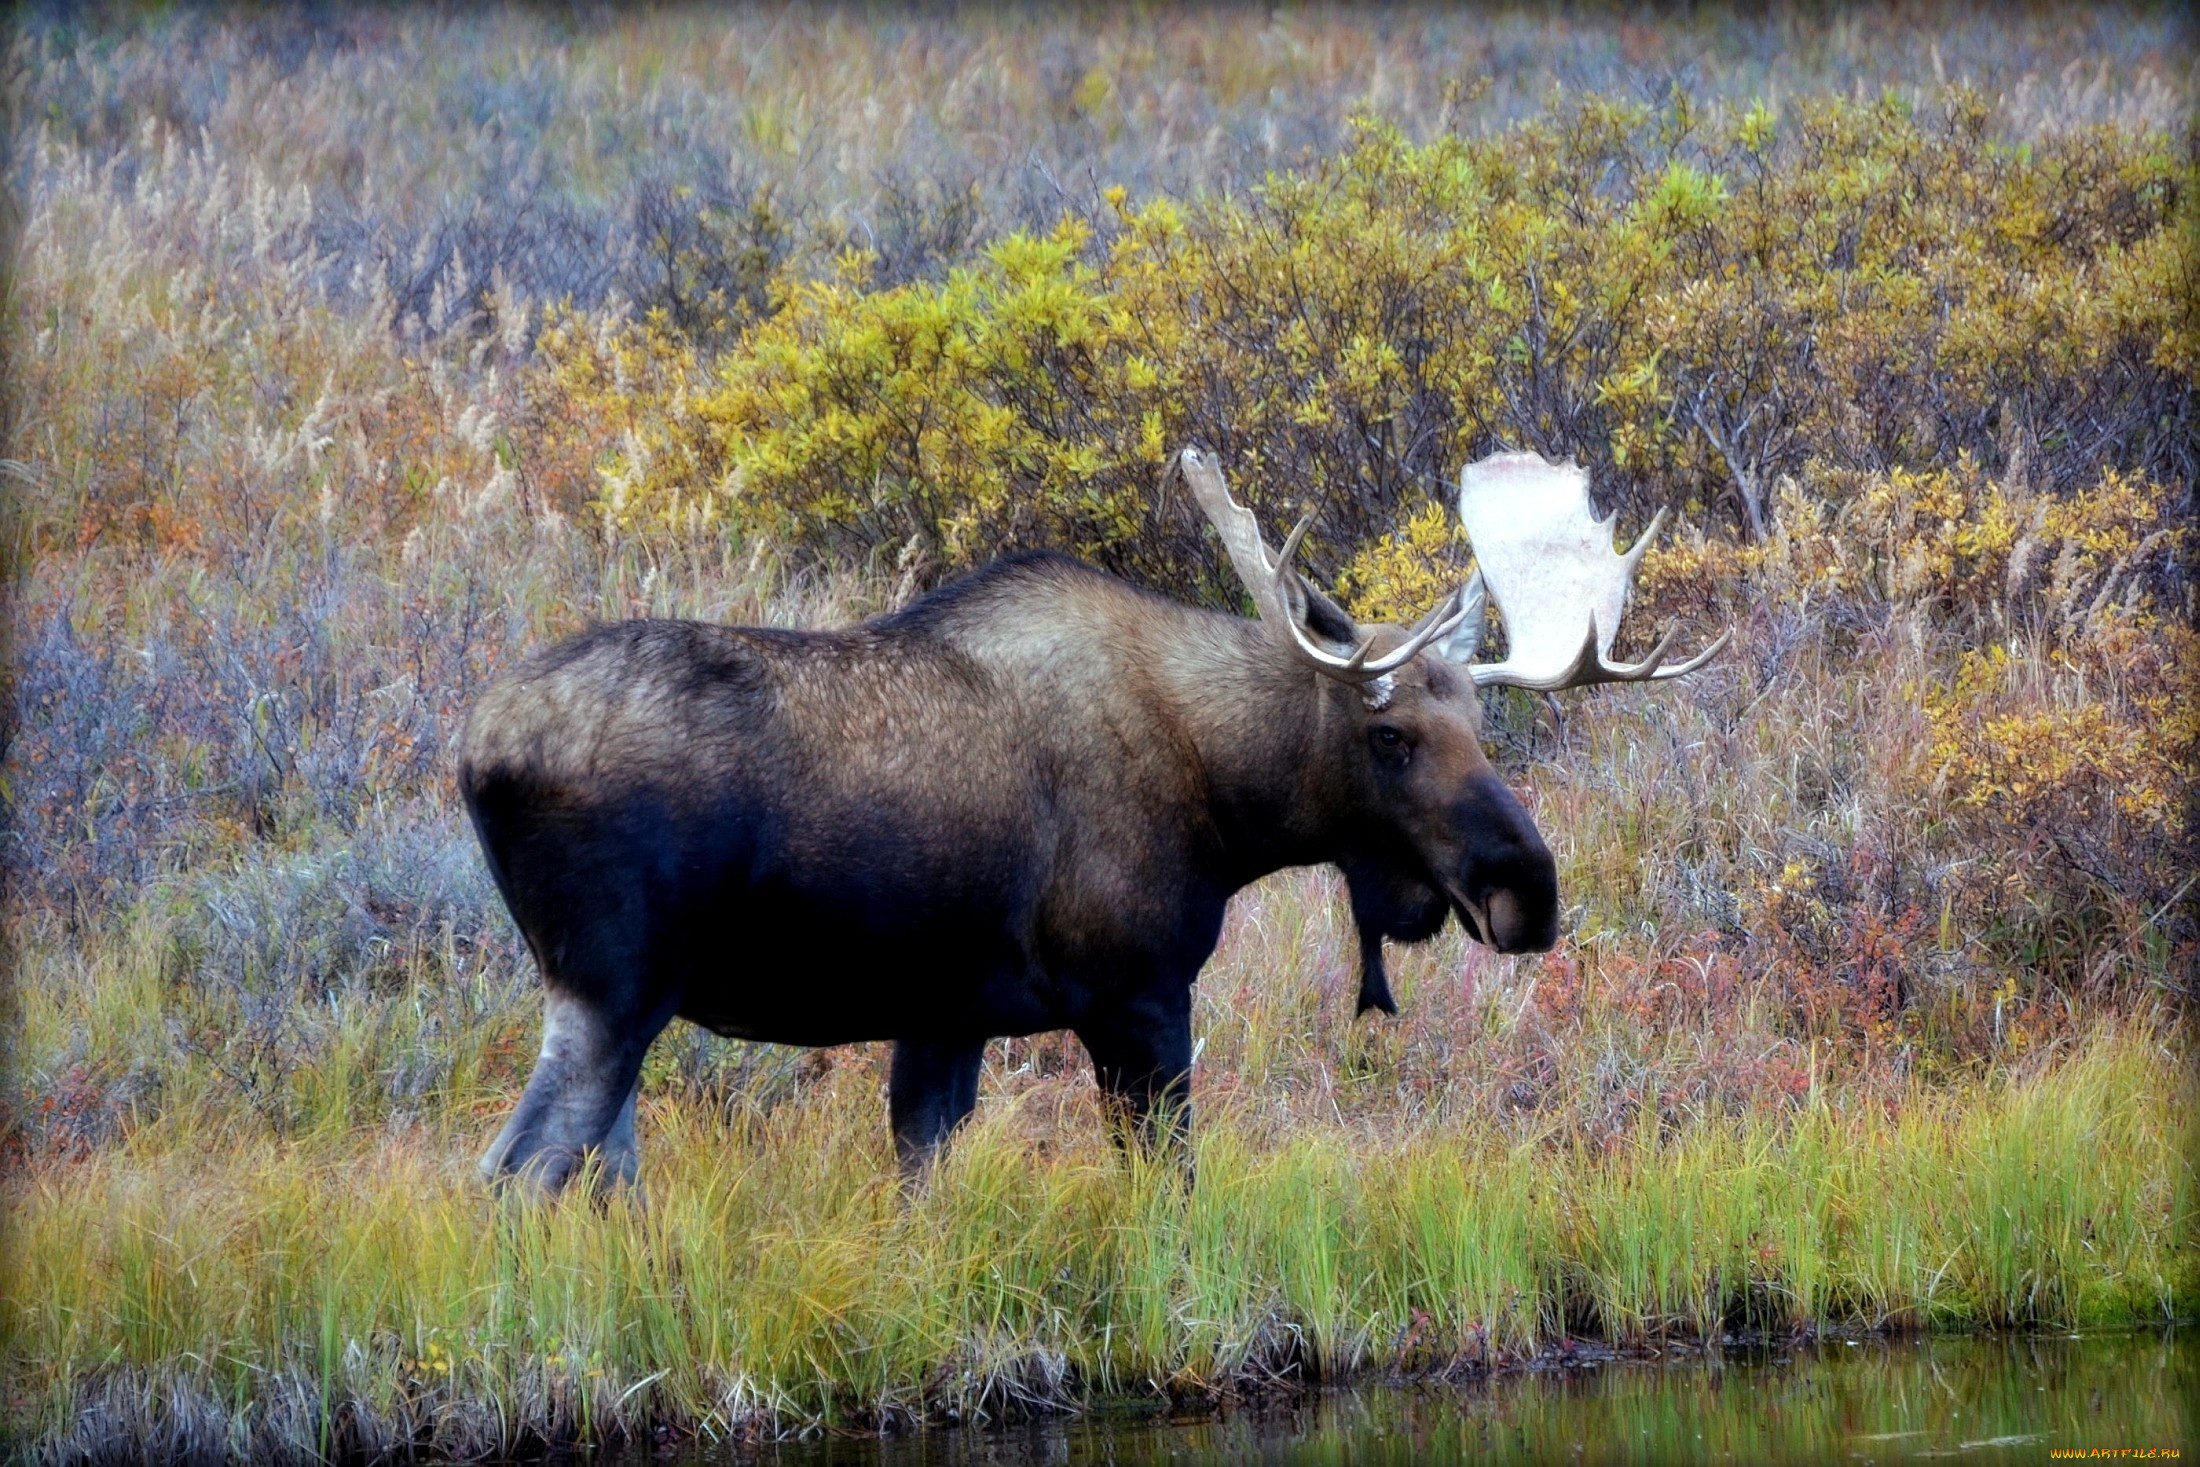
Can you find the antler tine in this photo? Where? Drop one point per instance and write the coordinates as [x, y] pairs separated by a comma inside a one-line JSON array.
[[1588, 668], [1280, 596], [1718, 645], [1267, 577], [1443, 619], [1283, 584], [1350, 669], [1633, 557]]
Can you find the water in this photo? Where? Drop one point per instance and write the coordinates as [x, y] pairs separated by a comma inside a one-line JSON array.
[[1981, 1398]]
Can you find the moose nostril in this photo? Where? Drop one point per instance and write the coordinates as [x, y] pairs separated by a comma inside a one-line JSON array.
[[1517, 927], [1505, 920]]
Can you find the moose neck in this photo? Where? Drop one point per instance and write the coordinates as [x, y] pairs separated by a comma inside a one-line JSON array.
[[1272, 738]]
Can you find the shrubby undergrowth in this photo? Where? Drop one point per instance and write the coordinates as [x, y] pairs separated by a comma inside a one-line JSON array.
[[1695, 306]]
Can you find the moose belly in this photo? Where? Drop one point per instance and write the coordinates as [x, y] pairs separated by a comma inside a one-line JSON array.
[[884, 936]]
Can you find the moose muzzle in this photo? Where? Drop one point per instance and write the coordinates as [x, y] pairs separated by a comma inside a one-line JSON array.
[[1507, 891]]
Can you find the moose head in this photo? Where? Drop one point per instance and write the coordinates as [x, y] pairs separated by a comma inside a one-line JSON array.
[[1440, 831]]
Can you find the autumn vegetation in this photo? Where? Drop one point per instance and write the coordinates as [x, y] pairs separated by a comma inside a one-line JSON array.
[[345, 366]]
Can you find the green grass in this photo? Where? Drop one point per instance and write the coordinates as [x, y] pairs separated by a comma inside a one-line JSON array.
[[778, 1275]]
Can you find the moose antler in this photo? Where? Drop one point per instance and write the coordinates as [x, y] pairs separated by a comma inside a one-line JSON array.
[[1280, 597], [1549, 561], [1539, 549]]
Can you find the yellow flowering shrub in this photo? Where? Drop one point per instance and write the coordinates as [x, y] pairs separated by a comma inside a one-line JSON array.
[[610, 424], [2070, 759], [1701, 306], [2070, 773], [2003, 551], [2068, 752], [959, 418], [1400, 576]]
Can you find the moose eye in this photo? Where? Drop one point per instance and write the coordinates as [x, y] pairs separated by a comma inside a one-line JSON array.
[[1387, 738]]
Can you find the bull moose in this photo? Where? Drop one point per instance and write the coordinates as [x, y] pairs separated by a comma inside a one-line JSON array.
[[1019, 803]]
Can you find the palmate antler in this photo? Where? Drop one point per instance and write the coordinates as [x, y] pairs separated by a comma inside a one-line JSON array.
[[1547, 558], [1539, 549]]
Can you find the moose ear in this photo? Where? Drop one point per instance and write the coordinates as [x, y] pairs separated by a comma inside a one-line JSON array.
[[1466, 640], [1327, 620], [1315, 614]]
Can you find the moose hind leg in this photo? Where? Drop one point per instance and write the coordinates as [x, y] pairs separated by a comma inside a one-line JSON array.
[[579, 1102], [931, 1089]]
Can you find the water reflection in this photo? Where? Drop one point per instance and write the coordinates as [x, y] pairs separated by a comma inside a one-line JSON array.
[[1989, 1399]]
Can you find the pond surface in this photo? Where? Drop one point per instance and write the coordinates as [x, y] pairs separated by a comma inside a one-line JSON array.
[[1980, 1398]]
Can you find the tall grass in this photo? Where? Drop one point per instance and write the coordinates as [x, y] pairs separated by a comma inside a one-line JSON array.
[[777, 1275]]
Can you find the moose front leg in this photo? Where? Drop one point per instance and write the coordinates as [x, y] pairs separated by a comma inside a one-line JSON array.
[[931, 1089], [1142, 1057]]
